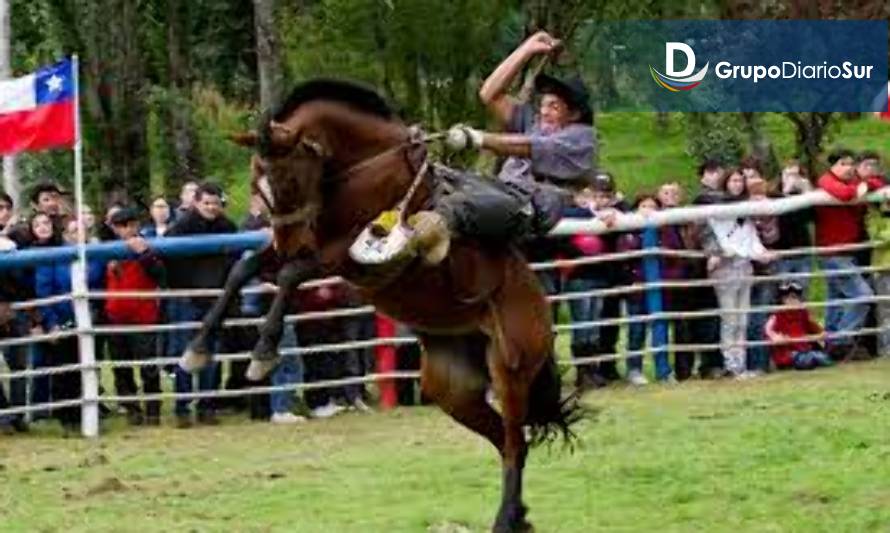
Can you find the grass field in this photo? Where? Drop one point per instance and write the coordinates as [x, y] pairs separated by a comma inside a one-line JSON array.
[[789, 452]]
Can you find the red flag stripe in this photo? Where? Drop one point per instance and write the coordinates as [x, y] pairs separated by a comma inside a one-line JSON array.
[[47, 126]]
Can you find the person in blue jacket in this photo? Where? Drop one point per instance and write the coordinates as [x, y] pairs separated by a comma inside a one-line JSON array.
[[54, 279]]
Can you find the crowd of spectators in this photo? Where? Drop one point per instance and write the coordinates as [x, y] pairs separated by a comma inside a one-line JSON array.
[[736, 251], [50, 220]]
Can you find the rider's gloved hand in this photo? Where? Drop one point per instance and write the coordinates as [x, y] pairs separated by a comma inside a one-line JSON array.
[[461, 137]]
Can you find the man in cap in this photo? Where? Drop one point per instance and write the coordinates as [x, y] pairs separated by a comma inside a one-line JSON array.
[[545, 150]]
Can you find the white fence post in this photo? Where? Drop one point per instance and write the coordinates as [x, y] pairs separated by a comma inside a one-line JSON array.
[[87, 350]]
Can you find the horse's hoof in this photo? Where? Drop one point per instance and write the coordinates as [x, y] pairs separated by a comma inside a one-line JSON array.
[[522, 527], [193, 360], [260, 368]]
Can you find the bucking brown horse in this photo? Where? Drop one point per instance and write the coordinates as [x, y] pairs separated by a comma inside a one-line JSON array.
[[335, 156]]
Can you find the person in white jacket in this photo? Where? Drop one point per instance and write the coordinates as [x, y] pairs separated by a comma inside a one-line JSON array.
[[732, 244]]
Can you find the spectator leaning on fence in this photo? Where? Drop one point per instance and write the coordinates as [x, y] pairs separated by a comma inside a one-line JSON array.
[[637, 303], [878, 224], [842, 225], [763, 292], [202, 272], [789, 329], [703, 330], [54, 279], [731, 244], [795, 228], [606, 204], [584, 278], [670, 195], [144, 273]]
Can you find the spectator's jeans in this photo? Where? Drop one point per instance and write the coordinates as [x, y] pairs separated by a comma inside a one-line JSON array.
[[636, 339], [882, 287], [762, 293], [288, 372], [797, 265], [845, 317], [810, 359], [585, 309], [734, 296], [185, 310]]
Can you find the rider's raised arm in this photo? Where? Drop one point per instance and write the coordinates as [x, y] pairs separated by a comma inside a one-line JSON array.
[[494, 90]]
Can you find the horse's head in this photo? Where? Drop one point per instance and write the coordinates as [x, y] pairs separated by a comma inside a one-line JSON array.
[[303, 147]]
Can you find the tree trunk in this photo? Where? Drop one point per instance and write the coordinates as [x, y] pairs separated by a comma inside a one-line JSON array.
[[811, 129], [11, 183], [186, 161], [268, 51], [760, 145]]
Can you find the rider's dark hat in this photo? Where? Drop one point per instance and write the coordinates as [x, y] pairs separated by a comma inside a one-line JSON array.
[[572, 90]]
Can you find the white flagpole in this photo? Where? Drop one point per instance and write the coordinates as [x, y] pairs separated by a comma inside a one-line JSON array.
[[78, 162], [79, 286]]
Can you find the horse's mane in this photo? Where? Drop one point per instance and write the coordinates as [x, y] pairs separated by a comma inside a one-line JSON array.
[[346, 92], [349, 93]]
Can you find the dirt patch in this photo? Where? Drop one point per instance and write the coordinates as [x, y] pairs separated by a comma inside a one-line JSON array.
[[94, 459], [449, 527], [111, 484]]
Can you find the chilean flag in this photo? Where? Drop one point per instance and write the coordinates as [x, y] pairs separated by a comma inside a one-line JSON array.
[[37, 111]]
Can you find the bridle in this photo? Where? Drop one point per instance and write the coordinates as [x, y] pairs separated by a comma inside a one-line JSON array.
[[412, 150]]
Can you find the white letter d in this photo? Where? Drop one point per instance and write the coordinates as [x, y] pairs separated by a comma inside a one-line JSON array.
[[669, 49]]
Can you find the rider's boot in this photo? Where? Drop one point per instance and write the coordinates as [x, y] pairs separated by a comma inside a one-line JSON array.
[[432, 236]]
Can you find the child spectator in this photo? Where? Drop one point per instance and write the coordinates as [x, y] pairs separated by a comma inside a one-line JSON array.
[[731, 245], [638, 305], [763, 293], [606, 204], [788, 327], [670, 195], [584, 278], [140, 274], [795, 227], [842, 225]]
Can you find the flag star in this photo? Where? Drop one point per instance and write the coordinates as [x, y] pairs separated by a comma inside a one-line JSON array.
[[54, 83]]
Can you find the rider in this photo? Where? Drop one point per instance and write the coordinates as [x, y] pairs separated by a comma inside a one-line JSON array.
[[544, 154]]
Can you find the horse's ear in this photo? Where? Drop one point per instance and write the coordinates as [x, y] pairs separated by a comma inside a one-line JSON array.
[[246, 139], [282, 135]]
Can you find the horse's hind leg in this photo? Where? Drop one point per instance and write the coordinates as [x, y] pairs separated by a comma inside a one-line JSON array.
[[453, 375], [521, 340]]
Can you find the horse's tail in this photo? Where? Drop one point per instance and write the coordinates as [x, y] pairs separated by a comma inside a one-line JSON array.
[[549, 415]]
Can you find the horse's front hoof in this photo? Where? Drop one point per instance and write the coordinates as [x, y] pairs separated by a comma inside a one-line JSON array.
[[521, 527], [512, 520], [194, 360], [260, 368]]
